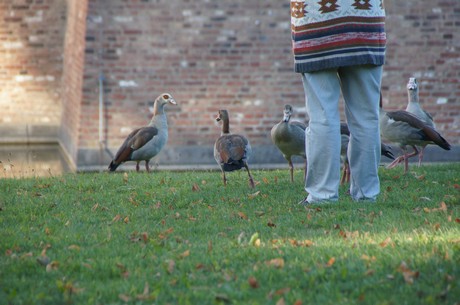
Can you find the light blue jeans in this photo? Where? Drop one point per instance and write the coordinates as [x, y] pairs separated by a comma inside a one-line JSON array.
[[360, 86]]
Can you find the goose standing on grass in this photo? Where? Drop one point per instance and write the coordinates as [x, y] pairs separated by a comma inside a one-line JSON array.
[[413, 106], [404, 128], [385, 150], [289, 137], [231, 151], [144, 143]]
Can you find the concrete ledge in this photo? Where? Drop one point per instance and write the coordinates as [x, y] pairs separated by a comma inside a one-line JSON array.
[[201, 158]]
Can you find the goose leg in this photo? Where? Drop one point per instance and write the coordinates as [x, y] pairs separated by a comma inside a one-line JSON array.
[[291, 169], [147, 167], [420, 155], [345, 173], [137, 166], [404, 157], [251, 180], [224, 178]]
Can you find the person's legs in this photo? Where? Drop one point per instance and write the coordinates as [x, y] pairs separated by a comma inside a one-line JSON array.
[[361, 92], [322, 136]]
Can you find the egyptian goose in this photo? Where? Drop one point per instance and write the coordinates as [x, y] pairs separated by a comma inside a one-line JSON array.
[[385, 150], [231, 151], [413, 106], [289, 137], [144, 143], [404, 128]]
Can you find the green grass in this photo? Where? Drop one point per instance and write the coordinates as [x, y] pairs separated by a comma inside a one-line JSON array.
[[184, 238]]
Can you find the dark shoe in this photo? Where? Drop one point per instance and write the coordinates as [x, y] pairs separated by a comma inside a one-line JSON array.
[[304, 202]]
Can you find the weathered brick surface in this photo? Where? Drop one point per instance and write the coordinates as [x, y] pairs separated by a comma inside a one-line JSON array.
[[31, 36], [209, 55]]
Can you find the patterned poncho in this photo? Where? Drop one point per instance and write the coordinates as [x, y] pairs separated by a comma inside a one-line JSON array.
[[334, 33]]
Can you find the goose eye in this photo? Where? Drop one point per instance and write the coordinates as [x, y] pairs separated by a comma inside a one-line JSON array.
[[166, 96]]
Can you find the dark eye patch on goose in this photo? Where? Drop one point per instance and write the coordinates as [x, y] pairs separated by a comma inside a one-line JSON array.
[[165, 96]]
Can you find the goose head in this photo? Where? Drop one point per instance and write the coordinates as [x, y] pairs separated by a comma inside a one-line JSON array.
[[165, 98], [412, 89], [287, 113], [222, 115], [412, 84]]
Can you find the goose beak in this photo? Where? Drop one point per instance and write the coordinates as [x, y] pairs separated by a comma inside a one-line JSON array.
[[412, 84], [172, 101]]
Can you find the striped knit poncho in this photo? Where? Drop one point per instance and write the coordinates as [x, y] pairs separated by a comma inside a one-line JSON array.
[[335, 33]]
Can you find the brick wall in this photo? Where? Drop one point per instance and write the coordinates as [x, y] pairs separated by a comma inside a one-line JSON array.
[[424, 41], [72, 80], [31, 36], [221, 54]]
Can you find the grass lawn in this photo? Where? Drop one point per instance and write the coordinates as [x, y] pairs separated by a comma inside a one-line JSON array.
[[184, 238]]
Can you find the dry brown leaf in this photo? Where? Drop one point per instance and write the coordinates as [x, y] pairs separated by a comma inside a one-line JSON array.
[[171, 266], [276, 262], [47, 246], [251, 196], [195, 188], [242, 215], [52, 266], [145, 296], [94, 208], [145, 237], [124, 297], [330, 262], [271, 224], [116, 218], [281, 302], [408, 274], [73, 247], [265, 180], [298, 302], [387, 242], [253, 282], [126, 220], [184, 254], [125, 177]]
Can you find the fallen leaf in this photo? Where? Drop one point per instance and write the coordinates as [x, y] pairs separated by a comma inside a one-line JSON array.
[[184, 254], [145, 237], [242, 215], [124, 298], [52, 266], [298, 302], [125, 177], [253, 238], [126, 220], [171, 266], [195, 188], [73, 247], [253, 282], [251, 196], [271, 224], [330, 262], [408, 274], [116, 218], [387, 242], [265, 180], [281, 302], [276, 262]]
